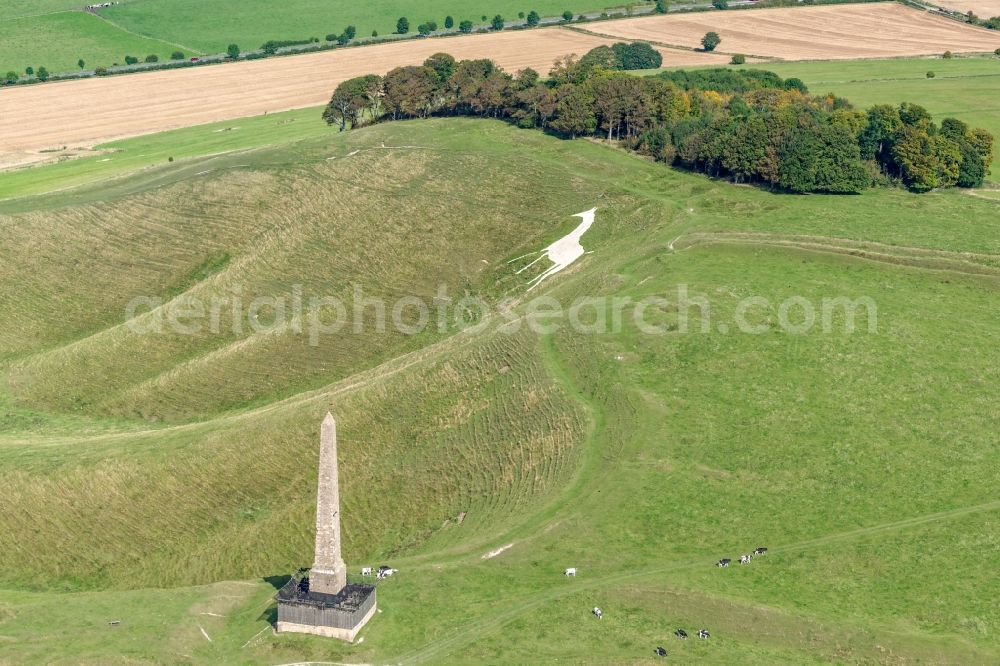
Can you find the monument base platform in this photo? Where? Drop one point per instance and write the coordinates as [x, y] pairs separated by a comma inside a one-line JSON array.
[[340, 615]]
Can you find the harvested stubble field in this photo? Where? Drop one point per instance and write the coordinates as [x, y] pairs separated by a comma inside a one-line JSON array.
[[833, 32], [981, 8], [76, 113]]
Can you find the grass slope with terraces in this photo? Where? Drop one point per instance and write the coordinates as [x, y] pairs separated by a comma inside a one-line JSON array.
[[168, 481]]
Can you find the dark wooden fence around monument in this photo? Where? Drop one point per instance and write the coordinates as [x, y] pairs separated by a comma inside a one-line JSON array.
[[296, 604]]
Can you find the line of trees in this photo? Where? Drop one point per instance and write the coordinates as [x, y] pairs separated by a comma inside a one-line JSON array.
[[531, 19], [749, 126], [131, 60], [991, 23]]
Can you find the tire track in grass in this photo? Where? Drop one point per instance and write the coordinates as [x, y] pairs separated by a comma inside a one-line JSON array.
[[136, 34], [472, 631]]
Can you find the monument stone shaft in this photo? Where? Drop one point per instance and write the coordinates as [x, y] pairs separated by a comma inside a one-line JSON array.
[[328, 574]]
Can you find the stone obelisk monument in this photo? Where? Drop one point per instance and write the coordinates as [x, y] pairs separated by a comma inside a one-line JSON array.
[[328, 574], [323, 602]]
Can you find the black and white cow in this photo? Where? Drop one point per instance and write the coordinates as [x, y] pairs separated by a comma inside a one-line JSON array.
[[660, 651], [745, 559], [680, 633], [703, 633], [366, 571], [597, 613], [724, 562], [760, 551]]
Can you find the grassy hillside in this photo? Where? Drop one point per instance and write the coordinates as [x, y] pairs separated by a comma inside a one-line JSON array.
[[58, 40], [864, 461]]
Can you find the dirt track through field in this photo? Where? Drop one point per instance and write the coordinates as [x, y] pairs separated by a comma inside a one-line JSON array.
[[830, 32], [91, 111]]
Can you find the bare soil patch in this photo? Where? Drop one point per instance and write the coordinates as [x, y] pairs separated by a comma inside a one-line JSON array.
[[831, 32], [91, 111]]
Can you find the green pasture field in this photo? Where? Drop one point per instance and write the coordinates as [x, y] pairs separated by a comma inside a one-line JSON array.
[[16, 8], [57, 34], [58, 40], [211, 26], [167, 481]]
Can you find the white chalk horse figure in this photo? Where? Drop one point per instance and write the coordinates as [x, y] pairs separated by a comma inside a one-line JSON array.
[[564, 251]]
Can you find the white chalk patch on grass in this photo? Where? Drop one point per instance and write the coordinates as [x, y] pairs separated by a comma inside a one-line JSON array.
[[493, 553], [564, 251], [213, 614], [353, 153], [254, 637], [205, 633]]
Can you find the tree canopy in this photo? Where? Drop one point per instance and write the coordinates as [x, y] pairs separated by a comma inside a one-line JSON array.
[[746, 125]]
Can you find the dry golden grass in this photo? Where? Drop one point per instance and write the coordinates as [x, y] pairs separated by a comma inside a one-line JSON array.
[[834, 32], [91, 111]]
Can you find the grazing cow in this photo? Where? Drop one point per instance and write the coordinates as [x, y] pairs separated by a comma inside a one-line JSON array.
[[385, 572], [760, 551], [366, 571], [745, 559], [597, 613], [724, 562], [570, 572], [703, 633], [680, 633], [660, 652]]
